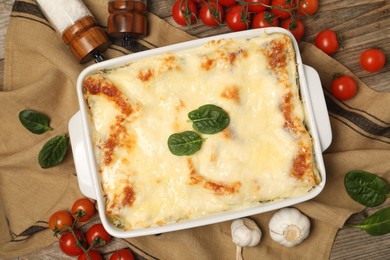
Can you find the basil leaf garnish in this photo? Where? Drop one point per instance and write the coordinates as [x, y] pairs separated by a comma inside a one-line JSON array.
[[53, 151], [185, 143], [35, 122], [366, 188], [209, 119], [377, 224]]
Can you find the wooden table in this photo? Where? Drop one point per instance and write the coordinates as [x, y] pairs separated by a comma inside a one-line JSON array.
[[363, 24]]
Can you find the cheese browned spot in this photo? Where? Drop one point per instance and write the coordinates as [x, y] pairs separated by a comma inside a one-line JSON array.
[[207, 63], [265, 154], [128, 196], [232, 93], [217, 188], [145, 75]]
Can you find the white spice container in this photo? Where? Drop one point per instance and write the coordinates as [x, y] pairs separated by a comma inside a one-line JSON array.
[[79, 29]]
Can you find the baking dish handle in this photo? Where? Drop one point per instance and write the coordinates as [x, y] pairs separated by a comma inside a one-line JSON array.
[[321, 116], [77, 140]]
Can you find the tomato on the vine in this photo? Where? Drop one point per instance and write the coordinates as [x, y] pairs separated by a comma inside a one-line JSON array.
[[198, 1], [343, 87], [237, 18], [295, 26], [264, 19], [70, 246], [257, 5], [372, 60], [328, 41], [227, 2], [279, 8], [92, 255], [122, 254], [184, 12], [211, 14], [60, 221], [83, 207], [97, 236], [307, 7]]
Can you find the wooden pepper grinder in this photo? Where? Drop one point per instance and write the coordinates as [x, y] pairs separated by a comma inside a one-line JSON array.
[[127, 19], [78, 28]]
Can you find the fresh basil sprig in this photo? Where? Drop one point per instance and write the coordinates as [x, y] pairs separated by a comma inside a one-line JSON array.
[[185, 143], [366, 188], [53, 151], [209, 119], [377, 224], [35, 122]]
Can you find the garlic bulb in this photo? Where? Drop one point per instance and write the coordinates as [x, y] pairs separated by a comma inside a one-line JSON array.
[[289, 227], [245, 232]]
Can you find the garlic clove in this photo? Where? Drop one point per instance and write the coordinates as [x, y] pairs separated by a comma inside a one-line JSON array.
[[245, 232], [289, 227]]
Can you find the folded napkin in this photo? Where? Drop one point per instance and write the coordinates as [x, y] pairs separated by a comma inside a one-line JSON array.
[[41, 73]]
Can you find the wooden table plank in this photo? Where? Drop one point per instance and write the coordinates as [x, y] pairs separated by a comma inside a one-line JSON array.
[[363, 24]]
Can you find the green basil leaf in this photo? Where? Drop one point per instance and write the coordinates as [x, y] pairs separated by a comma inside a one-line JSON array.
[[35, 122], [185, 143], [209, 119], [53, 151], [377, 224], [366, 188]]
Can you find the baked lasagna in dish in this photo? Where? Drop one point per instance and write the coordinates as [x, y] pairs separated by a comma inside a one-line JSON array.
[[265, 153]]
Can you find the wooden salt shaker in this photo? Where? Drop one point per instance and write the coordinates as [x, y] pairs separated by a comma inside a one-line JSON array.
[[78, 28], [127, 19]]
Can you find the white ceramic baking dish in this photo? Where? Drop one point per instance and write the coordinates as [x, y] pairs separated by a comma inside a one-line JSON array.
[[89, 179]]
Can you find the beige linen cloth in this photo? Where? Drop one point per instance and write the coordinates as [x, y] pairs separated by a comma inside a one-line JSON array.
[[41, 73]]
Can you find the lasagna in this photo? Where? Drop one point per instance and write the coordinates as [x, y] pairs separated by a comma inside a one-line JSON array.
[[265, 154]]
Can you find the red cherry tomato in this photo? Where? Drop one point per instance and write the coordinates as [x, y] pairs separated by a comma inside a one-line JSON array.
[[227, 2], [92, 255], [307, 7], [198, 1], [279, 8], [237, 19], [83, 207], [184, 14], [256, 5], [297, 30], [343, 87], [122, 254], [60, 220], [264, 19], [97, 236], [372, 60], [211, 14], [68, 243], [327, 41]]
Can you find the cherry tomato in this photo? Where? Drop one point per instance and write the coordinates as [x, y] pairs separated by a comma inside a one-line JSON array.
[[122, 254], [235, 19], [183, 14], [227, 2], [256, 6], [59, 220], [297, 29], [98, 236], [92, 255], [343, 87], [264, 19], [211, 14], [68, 243], [327, 41], [372, 60], [284, 4], [85, 207], [197, 1], [307, 7]]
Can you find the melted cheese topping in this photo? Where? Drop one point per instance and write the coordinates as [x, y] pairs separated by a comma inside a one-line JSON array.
[[265, 153]]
